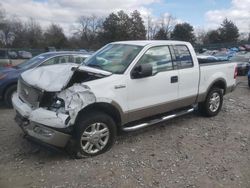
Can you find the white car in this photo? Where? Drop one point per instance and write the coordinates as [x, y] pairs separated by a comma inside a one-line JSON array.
[[125, 85]]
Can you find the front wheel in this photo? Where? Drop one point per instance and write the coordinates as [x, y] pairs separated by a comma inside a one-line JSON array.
[[8, 95], [95, 134], [213, 103]]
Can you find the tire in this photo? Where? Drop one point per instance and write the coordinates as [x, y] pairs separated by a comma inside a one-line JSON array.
[[95, 134], [8, 95], [213, 103]]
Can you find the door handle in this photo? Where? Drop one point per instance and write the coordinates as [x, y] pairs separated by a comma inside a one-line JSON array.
[[174, 79]]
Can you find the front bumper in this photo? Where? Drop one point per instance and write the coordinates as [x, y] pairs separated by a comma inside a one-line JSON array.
[[41, 124]]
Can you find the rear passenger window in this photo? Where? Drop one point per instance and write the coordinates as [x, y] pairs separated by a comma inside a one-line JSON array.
[[183, 56], [159, 57]]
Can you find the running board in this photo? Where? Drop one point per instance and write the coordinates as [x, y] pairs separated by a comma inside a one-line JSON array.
[[158, 120]]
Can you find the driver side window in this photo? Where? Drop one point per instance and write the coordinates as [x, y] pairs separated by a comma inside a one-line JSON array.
[[159, 57]]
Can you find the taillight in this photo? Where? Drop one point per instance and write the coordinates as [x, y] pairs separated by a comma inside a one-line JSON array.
[[235, 72]]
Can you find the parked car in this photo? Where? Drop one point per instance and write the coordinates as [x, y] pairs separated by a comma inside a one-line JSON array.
[[243, 63], [242, 68], [147, 82], [248, 76], [9, 76], [242, 48], [5, 61], [83, 51], [24, 55], [224, 55], [12, 55], [247, 47], [207, 59], [51, 49]]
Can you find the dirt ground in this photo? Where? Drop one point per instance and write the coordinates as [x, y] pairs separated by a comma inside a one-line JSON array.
[[190, 151]]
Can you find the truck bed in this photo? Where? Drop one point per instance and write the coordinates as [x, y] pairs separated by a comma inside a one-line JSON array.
[[213, 71]]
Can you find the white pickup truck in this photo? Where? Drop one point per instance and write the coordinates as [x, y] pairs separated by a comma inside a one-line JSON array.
[[125, 85]]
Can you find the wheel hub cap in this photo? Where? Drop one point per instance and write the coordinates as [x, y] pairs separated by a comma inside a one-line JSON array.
[[214, 102], [94, 138]]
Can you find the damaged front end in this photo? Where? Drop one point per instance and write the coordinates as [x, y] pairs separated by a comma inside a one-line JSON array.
[[69, 101], [48, 113]]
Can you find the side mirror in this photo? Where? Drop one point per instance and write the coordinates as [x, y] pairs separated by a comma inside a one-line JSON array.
[[142, 71]]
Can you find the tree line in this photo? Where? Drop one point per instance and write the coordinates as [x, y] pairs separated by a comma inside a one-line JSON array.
[[92, 32]]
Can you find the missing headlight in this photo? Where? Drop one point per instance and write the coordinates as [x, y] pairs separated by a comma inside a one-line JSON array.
[[57, 105]]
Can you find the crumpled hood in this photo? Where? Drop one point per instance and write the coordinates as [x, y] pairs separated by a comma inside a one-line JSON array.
[[53, 78]]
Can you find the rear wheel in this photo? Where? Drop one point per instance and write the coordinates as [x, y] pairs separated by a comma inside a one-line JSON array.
[[8, 95], [95, 134], [213, 103]]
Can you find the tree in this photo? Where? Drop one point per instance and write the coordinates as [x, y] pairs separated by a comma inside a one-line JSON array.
[[228, 31], [151, 28], [19, 30], [124, 26], [183, 32], [165, 27], [212, 37], [33, 34], [2, 16], [88, 30], [200, 36], [6, 34], [161, 34], [138, 30], [116, 27], [54, 36], [110, 28]]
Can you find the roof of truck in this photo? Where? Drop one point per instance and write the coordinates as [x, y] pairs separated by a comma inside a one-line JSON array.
[[150, 42]]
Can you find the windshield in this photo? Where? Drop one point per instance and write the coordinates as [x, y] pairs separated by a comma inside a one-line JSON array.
[[31, 62], [114, 58]]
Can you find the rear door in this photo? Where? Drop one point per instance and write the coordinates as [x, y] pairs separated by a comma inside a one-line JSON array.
[[188, 75], [154, 94]]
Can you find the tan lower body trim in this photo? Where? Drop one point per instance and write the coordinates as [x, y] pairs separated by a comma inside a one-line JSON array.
[[160, 108]]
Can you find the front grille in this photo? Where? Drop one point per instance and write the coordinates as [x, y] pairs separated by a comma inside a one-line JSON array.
[[28, 94]]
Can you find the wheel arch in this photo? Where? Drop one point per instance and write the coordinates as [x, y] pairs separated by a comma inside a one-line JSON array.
[[219, 83], [107, 108], [7, 87]]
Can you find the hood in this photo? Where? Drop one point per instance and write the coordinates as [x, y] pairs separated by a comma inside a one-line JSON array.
[[54, 78], [7, 70]]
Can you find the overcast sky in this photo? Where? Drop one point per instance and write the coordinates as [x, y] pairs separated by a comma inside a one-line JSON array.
[[200, 13]]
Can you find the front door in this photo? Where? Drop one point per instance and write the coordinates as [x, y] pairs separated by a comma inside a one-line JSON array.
[[154, 94]]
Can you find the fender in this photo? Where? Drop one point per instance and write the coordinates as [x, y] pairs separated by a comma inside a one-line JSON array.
[[111, 108], [220, 82]]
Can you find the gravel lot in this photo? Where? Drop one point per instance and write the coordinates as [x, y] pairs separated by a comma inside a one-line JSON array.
[[190, 151]]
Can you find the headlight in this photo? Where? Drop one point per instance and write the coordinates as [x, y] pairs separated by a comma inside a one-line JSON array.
[[2, 76]]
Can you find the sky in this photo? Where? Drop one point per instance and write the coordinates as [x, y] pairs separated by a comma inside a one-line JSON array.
[[202, 14]]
